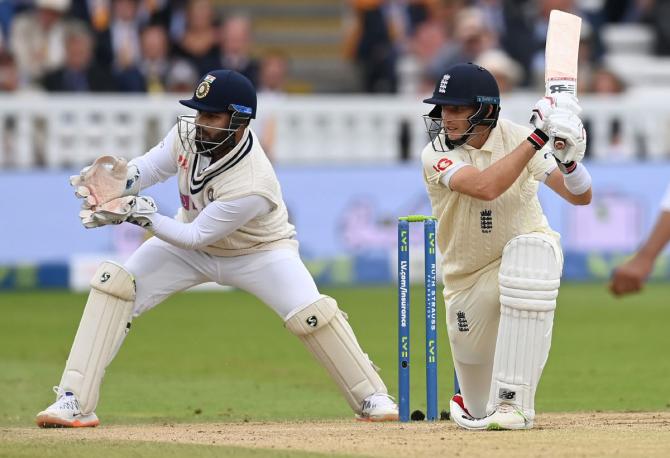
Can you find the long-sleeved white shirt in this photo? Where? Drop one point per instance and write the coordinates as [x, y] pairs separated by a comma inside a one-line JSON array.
[[216, 221]]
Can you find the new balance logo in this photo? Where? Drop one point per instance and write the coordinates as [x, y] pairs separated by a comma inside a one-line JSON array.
[[506, 395]]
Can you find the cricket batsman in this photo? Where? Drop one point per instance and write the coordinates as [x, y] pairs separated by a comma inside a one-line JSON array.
[[232, 229], [501, 260]]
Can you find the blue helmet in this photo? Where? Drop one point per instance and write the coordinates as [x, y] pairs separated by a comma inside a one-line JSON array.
[[464, 85], [219, 91], [222, 91]]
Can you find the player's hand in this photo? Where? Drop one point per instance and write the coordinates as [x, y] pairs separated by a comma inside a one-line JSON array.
[[132, 209], [544, 108], [106, 179], [567, 137], [630, 276]]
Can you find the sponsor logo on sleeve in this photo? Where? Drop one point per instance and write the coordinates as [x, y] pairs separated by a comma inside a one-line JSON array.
[[442, 164]]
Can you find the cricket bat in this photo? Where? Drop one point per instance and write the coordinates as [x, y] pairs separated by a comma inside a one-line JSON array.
[[560, 56]]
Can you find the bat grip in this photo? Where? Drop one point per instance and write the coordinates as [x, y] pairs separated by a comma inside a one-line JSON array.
[[559, 143]]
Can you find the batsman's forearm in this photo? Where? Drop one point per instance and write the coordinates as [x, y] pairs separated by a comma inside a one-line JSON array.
[[659, 237], [499, 176]]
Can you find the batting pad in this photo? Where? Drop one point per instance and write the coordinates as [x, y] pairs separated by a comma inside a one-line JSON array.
[[325, 331], [529, 277], [102, 328]]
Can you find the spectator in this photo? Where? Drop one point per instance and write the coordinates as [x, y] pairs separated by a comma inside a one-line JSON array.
[[198, 44], [9, 73], [155, 63], [6, 13], [120, 42], [605, 81], [182, 77], [472, 37], [235, 43], [78, 74], [38, 39], [372, 45], [273, 75], [96, 13], [507, 72], [416, 69]]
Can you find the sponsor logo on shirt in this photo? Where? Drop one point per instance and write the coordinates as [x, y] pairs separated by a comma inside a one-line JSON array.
[[442, 164], [183, 162], [186, 202]]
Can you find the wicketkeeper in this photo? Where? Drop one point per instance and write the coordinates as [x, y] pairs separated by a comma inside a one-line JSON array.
[[501, 261], [232, 229]]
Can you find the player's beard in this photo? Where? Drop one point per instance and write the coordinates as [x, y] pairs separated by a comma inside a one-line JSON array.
[[224, 141]]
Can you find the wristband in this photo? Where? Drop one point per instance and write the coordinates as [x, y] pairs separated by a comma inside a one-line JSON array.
[[578, 181], [538, 139], [566, 168]]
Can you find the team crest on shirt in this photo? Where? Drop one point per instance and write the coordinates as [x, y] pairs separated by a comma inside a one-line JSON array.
[[203, 88], [486, 221]]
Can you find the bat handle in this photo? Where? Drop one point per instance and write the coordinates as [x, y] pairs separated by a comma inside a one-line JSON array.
[[559, 144]]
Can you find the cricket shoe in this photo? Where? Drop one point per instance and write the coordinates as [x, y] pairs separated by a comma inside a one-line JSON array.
[[459, 413], [378, 407], [506, 416], [65, 413]]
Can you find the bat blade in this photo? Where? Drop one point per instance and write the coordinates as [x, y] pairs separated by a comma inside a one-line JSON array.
[[561, 52]]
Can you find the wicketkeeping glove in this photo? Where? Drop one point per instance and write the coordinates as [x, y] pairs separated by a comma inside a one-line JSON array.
[[106, 179], [131, 209]]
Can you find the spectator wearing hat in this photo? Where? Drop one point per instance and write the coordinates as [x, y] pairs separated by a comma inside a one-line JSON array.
[[37, 39]]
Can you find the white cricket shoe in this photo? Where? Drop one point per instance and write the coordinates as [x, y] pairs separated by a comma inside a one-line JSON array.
[[506, 416], [378, 407], [459, 413], [65, 413]]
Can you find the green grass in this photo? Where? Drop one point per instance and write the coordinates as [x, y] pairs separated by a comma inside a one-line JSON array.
[[211, 357]]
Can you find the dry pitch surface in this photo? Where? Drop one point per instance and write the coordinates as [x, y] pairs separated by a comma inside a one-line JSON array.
[[575, 434]]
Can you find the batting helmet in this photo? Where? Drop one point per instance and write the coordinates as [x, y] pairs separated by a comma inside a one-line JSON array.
[[222, 91], [464, 85]]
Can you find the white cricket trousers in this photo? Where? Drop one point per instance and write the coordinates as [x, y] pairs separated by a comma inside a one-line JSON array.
[[277, 277]]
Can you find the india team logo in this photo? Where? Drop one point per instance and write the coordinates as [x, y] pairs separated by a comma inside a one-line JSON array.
[[203, 88]]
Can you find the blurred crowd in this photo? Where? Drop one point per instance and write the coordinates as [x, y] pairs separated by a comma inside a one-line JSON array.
[[132, 46], [397, 46], [404, 46]]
